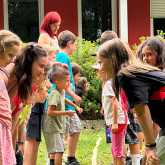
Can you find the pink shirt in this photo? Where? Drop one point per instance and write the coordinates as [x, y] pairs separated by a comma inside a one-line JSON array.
[[5, 108]]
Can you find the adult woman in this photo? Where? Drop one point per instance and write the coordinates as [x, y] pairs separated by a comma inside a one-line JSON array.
[[143, 85], [49, 28]]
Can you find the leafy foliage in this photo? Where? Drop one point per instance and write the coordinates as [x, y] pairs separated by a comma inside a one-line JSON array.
[[92, 98], [143, 38]]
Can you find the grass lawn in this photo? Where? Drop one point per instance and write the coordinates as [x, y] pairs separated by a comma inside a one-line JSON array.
[[86, 144]]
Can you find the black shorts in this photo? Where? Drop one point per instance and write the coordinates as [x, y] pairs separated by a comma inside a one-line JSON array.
[[34, 126], [131, 132]]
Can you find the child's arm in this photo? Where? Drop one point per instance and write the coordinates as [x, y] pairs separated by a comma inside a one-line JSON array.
[[52, 111], [67, 101], [75, 98], [115, 113]]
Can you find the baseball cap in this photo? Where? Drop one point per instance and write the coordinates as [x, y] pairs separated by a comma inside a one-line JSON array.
[[97, 66]]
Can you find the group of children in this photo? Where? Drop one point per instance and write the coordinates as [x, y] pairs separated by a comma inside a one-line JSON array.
[[129, 83]]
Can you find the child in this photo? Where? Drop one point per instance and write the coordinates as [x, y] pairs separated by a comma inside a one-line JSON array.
[[131, 138], [41, 95], [77, 72], [143, 85], [115, 118], [81, 86], [67, 43], [9, 47], [54, 122]]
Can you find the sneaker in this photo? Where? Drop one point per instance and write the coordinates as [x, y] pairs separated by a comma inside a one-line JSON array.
[[128, 162], [73, 163], [128, 158]]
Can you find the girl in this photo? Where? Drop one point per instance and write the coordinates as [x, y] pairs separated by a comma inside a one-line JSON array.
[[81, 86], [144, 88], [152, 51], [49, 29], [9, 47], [114, 116]]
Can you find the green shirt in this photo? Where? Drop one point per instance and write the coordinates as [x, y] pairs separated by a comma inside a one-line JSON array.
[[55, 124]]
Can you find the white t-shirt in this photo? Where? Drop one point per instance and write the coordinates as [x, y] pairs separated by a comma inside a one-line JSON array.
[[107, 105]]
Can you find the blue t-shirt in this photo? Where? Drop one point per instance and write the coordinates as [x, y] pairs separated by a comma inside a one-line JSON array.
[[63, 58]]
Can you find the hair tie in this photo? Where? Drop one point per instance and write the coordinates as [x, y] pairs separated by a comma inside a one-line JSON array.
[[32, 46]]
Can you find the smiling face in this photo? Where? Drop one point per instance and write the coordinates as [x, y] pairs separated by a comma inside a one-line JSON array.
[[8, 55], [149, 56], [38, 68], [76, 77], [54, 27], [105, 66]]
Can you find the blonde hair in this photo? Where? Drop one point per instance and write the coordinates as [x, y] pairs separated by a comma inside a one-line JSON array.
[[50, 49], [123, 61], [45, 85], [8, 39]]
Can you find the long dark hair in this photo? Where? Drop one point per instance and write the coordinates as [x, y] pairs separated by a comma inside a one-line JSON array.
[[23, 68], [156, 44], [123, 61]]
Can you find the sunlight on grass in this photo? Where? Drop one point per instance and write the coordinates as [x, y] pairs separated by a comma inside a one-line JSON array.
[[87, 142]]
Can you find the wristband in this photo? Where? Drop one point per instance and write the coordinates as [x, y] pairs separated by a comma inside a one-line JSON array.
[[151, 145]]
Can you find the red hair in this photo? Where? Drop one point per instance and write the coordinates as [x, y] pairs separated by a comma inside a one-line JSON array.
[[50, 18]]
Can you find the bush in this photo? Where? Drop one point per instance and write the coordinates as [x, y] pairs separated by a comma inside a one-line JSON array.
[[143, 38], [92, 98]]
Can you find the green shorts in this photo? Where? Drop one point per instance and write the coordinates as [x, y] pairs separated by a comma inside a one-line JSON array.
[[54, 142]]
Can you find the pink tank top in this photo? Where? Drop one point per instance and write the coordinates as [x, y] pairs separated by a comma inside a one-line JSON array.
[[5, 108]]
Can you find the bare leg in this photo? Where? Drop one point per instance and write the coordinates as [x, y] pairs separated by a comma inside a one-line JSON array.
[[72, 144], [30, 152], [58, 158], [120, 161]]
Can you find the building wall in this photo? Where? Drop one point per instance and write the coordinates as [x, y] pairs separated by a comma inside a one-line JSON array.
[[138, 20], [68, 12], [1, 15]]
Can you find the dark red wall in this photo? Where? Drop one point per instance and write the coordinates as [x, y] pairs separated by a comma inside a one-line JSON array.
[[138, 20], [68, 12], [1, 15]]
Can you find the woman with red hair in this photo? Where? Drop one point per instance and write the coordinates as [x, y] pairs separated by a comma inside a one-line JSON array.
[[49, 28]]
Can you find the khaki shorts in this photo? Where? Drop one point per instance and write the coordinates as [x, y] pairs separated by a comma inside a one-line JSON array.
[[160, 153], [73, 124], [54, 142]]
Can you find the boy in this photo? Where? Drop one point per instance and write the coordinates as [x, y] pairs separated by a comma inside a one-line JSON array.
[[54, 122], [77, 72], [67, 44]]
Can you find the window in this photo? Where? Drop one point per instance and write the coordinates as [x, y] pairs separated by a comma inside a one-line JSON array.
[[157, 16], [23, 19], [158, 24], [96, 18]]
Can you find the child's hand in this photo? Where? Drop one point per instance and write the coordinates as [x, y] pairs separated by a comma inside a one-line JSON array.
[[70, 113], [80, 110], [54, 64], [114, 127]]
